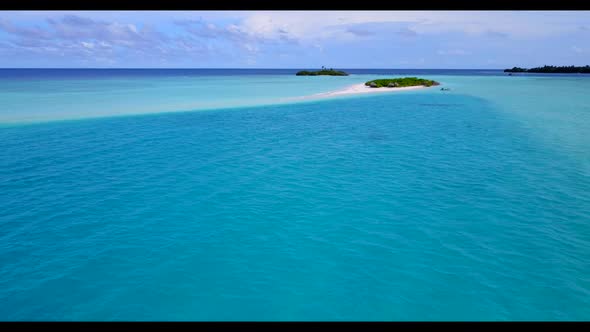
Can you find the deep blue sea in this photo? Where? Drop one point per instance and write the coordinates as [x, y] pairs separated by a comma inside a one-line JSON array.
[[212, 195]]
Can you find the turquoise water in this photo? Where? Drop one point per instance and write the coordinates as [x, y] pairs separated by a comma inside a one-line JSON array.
[[470, 204], [74, 98]]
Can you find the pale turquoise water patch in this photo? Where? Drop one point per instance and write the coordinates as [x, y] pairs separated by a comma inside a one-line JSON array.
[[555, 110], [58, 99], [427, 205]]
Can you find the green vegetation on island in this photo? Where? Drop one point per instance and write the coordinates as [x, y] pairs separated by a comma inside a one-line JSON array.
[[323, 71], [400, 82], [552, 70]]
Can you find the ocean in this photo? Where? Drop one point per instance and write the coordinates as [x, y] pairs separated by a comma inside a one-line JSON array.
[[214, 195]]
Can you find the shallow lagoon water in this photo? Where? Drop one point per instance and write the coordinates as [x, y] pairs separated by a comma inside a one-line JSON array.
[[470, 204]]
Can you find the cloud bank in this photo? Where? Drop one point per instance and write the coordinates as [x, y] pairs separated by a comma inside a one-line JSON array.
[[290, 39]]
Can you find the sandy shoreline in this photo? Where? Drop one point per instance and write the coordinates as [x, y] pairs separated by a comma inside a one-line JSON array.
[[360, 88]]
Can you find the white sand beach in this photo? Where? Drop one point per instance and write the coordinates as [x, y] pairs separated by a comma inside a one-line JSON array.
[[360, 88]]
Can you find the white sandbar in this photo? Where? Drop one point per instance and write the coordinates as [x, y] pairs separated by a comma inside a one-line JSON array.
[[357, 89]]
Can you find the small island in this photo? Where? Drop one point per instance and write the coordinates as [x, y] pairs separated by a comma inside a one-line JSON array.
[[400, 82], [552, 70], [323, 72]]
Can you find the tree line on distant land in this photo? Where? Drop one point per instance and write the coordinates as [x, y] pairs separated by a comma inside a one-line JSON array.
[[552, 69]]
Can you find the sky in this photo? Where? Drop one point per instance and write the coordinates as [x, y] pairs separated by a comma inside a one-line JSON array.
[[293, 39]]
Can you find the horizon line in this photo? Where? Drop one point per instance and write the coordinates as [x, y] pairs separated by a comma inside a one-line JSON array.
[[2, 68]]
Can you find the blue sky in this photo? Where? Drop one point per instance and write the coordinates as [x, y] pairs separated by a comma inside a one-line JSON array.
[[293, 39]]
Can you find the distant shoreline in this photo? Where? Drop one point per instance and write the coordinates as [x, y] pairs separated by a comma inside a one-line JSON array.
[[551, 70]]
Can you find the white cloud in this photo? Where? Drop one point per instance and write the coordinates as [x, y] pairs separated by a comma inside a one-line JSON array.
[[306, 25], [321, 25]]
